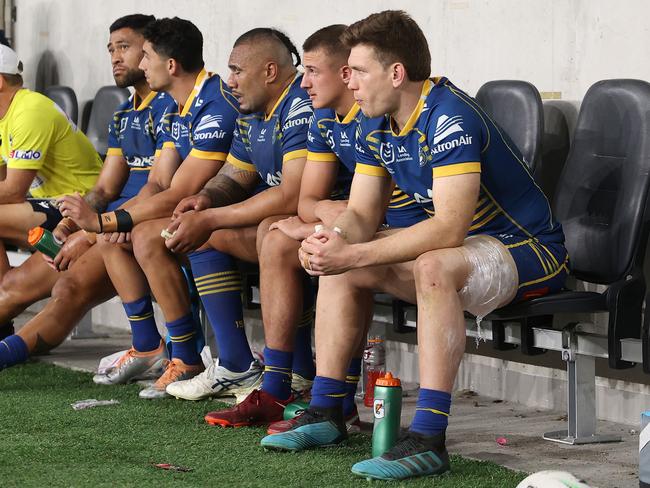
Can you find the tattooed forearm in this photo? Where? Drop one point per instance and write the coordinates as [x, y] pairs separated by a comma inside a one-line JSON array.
[[230, 185], [97, 200]]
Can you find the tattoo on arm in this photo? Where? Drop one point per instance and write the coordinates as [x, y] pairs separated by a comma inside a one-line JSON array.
[[97, 200], [230, 185]]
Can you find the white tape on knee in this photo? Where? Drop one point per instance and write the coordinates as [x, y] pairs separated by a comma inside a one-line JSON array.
[[492, 279]]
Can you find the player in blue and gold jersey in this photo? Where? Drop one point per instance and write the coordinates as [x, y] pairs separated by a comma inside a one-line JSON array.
[[197, 137], [329, 168], [132, 149], [263, 169], [491, 240], [135, 134]]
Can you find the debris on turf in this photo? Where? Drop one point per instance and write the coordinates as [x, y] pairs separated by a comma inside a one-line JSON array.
[[92, 402], [502, 441], [171, 467]]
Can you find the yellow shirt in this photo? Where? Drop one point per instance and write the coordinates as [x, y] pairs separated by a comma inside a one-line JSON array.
[[36, 134]]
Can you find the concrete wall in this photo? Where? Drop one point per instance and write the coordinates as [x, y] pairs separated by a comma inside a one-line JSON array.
[[559, 45]]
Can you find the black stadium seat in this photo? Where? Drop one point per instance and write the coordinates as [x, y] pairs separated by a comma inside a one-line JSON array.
[[106, 101], [602, 203], [65, 98], [516, 107]]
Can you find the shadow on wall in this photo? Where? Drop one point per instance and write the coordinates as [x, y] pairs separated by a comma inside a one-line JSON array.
[[47, 72]]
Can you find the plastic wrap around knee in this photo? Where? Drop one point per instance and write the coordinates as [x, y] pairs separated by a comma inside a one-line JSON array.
[[492, 280]]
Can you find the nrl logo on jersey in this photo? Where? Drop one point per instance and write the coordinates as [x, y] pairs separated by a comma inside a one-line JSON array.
[[445, 127], [389, 155], [179, 130], [123, 122], [387, 152], [299, 107]]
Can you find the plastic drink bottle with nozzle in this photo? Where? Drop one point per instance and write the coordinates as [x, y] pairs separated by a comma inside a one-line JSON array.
[[374, 363], [44, 241], [387, 410]]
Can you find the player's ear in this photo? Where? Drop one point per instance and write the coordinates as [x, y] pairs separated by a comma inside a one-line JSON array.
[[173, 66], [3, 83], [345, 72], [398, 74], [271, 72]]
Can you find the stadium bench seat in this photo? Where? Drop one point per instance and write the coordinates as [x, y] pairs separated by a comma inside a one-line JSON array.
[[65, 98], [107, 99]]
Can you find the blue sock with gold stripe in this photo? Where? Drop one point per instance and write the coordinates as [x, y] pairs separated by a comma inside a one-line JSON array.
[[143, 325], [431, 412], [219, 285], [351, 382], [277, 373], [303, 357], [182, 333], [327, 393], [13, 350]]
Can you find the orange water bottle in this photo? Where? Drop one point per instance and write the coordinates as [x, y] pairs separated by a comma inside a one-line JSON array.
[[44, 241]]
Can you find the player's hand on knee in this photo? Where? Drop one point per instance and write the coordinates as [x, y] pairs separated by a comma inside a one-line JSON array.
[[325, 252], [188, 232], [197, 202], [77, 209], [293, 227]]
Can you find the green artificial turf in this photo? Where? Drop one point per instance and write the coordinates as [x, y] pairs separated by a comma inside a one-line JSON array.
[[45, 443]]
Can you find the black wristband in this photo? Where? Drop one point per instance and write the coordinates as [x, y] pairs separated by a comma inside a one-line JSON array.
[[124, 220]]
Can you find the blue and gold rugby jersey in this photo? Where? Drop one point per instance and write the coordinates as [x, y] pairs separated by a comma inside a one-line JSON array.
[[449, 134], [263, 142], [135, 134], [331, 139], [205, 125]]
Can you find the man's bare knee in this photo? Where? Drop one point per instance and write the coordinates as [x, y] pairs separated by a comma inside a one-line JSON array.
[[70, 288], [278, 249], [146, 241], [432, 270]]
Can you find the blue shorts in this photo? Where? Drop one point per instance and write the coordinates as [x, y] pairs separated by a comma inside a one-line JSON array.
[[45, 206], [542, 266], [115, 204]]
